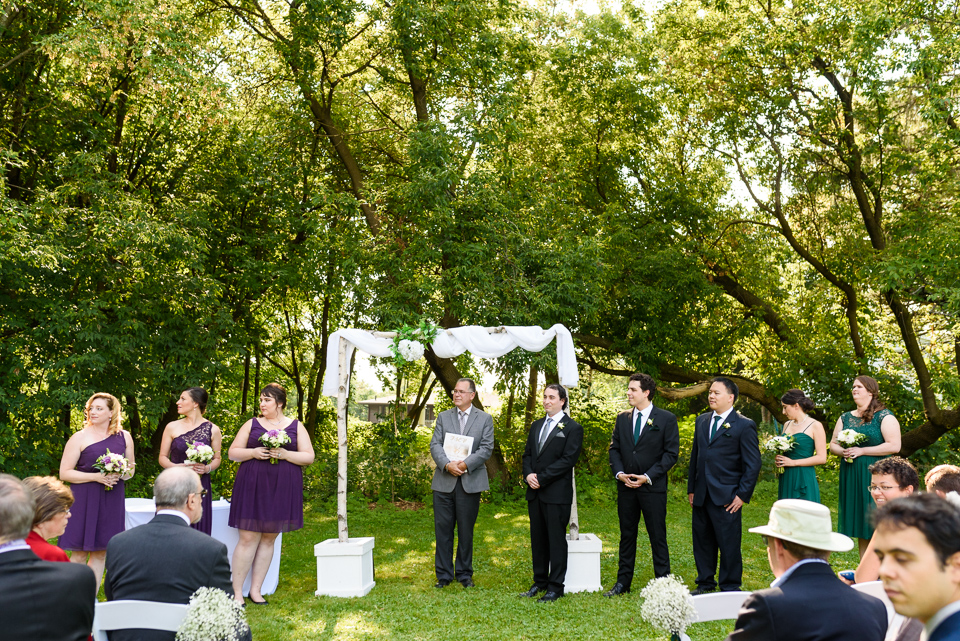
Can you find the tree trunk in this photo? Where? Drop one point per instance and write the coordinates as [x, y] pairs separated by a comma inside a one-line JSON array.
[[168, 417], [133, 417]]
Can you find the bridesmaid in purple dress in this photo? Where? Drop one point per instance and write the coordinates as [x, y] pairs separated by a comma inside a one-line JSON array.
[[268, 491], [98, 510], [179, 435]]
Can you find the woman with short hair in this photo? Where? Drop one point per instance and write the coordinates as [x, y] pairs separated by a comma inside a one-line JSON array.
[[53, 500]]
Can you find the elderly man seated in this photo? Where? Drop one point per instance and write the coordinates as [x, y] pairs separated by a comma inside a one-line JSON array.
[[807, 601], [41, 599]]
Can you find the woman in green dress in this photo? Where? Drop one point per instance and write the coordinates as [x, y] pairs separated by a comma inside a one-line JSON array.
[[799, 478], [882, 429]]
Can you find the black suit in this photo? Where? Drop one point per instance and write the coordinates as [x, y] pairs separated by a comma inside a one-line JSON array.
[[45, 599], [549, 505], [653, 455], [811, 605], [721, 469], [163, 560]]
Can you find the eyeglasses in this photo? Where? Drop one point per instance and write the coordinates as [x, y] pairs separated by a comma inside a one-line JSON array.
[[460, 391], [202, 493], [765, 539], [882, 488]]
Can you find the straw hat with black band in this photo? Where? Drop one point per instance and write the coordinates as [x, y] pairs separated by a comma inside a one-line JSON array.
[[804, 523]]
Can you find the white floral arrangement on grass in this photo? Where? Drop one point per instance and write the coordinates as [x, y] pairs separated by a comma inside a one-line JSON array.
[[850, 438], [213, 616], [667, 605], [408, 344]]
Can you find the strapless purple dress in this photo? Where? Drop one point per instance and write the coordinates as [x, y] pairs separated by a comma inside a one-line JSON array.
[[202, 433], [268, 497], [97, 514]]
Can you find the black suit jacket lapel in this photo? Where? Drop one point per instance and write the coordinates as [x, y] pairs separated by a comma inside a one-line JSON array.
[[651, 423], [720, 428], [555, 431]]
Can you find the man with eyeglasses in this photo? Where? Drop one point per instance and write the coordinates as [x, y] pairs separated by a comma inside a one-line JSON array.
[[890, 478], [461, 444], [166, 560]]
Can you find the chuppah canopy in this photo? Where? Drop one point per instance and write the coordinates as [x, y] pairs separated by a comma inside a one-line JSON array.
[[483, 342]]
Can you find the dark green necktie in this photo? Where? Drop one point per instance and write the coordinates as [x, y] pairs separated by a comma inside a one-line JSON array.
[[636, 428], [716, 424]]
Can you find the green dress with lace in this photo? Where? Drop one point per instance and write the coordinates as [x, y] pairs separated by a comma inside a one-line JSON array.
[[856, 504], [800, 482]]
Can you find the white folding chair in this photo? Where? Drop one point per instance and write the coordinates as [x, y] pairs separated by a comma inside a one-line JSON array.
[[894, 620], [718, 606], [148, 615]]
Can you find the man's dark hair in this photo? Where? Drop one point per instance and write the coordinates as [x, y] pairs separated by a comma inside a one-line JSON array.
[[647, 384], [801, 552], [936, 518], [900, 469], [561, 392], [730, 385], [943, 478]]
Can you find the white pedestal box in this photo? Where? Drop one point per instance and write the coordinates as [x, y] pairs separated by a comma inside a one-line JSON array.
[[344, 569], [583, 564]]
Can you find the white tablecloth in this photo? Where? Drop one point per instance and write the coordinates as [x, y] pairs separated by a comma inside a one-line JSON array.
[[140, 511]]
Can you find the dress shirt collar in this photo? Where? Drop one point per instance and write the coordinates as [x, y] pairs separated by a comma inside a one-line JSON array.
[[786, 575], [556, 418], [183, 516], [645, 412], [466, 411], [10, 546], [942, 615], [723, 417]]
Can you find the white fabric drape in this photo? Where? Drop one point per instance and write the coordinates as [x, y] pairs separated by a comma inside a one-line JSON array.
[[457, 340]]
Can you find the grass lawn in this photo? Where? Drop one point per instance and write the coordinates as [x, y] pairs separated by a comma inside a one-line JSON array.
[[405, 605]]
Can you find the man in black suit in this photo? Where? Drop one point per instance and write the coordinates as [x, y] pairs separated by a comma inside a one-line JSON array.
[[807, 601], [41, 599], [724, 465], [645, 445], [552, 450], [166, 560]]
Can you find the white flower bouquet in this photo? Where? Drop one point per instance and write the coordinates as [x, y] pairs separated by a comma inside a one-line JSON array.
[[780, 444], [111, 463], [667, 605], [274, 439], [199, 453], [213, 616], [850, 438], [411, 350]]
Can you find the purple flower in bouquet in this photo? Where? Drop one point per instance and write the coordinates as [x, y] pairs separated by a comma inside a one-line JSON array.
[[274, 439], [111, 463]]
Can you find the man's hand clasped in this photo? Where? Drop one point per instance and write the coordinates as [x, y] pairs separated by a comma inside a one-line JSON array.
[[456, 468], [633, 480]]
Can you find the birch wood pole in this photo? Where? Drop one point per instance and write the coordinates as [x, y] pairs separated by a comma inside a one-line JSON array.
[[343, 378]]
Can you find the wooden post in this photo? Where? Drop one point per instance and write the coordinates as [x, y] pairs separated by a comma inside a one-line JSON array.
[[343, 379], [574, 517]]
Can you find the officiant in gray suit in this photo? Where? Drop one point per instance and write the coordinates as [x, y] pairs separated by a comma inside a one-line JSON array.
[[457, 483]]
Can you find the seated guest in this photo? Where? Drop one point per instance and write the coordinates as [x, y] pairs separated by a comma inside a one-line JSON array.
[[807, 602], [916, 540], [166, 560], [41, 600], [890, 478], [942, 480], [53, 500]]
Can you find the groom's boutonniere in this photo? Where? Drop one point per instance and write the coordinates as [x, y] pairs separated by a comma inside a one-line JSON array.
[[726, 426], [560, 426], [653, 428]]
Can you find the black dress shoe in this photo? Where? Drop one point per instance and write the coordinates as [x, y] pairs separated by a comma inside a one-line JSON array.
[[467, 583], [699, 591], [442, 583], [533, 591], [617, 589], [264, 602], [549, 596]]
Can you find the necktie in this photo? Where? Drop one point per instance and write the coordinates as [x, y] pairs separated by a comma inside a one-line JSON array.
[[636, 428], [716, 424], [545, 432], [463, 420]]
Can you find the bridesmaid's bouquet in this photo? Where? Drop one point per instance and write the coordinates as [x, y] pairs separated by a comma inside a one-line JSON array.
[[667, 605], [111, 463], [199, 453], [273, 439], [850, 438], [780, 444]]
